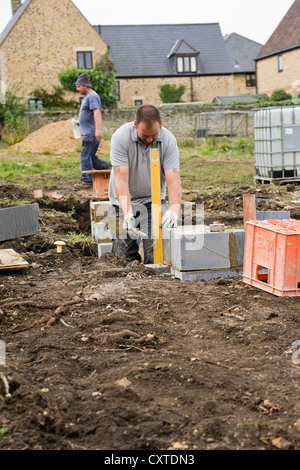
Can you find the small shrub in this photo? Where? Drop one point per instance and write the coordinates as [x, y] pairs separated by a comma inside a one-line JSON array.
[[54, 99], [14, 127], [171, 93], [280, 95]]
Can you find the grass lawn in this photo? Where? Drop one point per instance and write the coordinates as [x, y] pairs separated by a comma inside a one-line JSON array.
[[207, 165]]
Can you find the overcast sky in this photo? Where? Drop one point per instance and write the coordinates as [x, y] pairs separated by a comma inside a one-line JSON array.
[[254, 19]]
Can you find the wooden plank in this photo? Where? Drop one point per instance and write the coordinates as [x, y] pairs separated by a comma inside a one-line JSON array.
[[10, 259], [249, 208]]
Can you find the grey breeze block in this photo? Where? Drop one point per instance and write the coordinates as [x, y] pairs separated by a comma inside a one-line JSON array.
[[19, 221]]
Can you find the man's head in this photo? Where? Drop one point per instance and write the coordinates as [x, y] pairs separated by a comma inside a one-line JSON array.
[[147, 123], [83, 84]]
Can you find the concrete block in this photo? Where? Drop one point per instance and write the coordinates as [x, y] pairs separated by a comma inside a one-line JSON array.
[[166, 243], [193, 248], [100, 233], [177, 234], [101, 248], [236, 247], [205, 275], [19, 221], [99, 210], [273, 215]]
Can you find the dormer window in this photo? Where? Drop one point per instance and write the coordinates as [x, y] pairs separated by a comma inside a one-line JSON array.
[[186, 64], [185, 57]]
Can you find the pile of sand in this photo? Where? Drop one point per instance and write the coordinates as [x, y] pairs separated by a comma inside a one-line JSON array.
[[56, 137]]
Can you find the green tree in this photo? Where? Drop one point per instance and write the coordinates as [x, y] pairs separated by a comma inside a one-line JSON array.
[[171, 93]]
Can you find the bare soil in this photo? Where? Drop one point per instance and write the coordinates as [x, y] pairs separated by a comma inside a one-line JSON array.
[[107, 354]]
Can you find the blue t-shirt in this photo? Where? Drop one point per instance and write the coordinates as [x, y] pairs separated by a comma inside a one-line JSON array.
[[90, 102]]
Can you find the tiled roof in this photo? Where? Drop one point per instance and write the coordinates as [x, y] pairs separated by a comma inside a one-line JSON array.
[[242, 52], [286, 36], [144, 50]]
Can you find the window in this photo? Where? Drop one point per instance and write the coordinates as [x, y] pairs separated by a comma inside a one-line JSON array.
[[280, 63], [186, 64], [84, 60], [250, 79], [138, 102]]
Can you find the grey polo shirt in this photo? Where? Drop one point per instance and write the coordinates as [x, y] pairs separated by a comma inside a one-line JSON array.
[[128, 150]]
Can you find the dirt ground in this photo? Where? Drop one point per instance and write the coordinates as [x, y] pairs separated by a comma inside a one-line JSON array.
[[106, 354]]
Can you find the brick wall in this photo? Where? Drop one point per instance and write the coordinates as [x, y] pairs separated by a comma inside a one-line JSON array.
[[270, 79], [31, 59]]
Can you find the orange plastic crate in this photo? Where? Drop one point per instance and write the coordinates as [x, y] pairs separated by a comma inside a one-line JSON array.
[[272, 256]]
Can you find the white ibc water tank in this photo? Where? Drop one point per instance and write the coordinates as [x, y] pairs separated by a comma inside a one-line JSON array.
[[277, 142]]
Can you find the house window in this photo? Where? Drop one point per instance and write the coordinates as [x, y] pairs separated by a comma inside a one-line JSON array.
[[186, 64], [138, 102], [84, 60], [280, 63], [250, 79]]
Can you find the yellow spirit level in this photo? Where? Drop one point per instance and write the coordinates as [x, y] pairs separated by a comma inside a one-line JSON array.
[[156, 206]]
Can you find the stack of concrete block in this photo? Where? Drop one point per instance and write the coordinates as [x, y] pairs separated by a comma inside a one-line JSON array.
[[205, 252], [100, 232], [196, 252]]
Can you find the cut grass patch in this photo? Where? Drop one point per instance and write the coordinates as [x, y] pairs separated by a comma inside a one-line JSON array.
[[220, 163]]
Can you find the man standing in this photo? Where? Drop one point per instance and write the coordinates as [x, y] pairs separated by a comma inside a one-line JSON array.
[[130, 181], [90, 121]]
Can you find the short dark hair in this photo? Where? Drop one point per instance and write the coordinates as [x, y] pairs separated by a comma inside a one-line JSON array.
[[147, 113]]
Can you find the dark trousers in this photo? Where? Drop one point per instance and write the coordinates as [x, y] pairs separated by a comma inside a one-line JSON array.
[[127, 245], [89, 160]]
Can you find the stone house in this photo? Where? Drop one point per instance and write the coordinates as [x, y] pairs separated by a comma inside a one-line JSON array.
[[43, 38], [54, 35], [278, 62], [195, 55], [242, 52]]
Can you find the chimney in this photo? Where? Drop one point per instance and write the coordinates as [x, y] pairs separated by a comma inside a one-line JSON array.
[[15, 5]]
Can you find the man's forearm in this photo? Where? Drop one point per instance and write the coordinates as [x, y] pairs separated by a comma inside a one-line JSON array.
[[174, 190], [97, 119], [122, 190]]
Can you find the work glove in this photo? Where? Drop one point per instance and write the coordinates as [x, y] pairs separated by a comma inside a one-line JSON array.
[[128, 222], [169, 220]]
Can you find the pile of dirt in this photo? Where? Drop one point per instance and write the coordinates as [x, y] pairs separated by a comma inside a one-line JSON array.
[[56, 137]]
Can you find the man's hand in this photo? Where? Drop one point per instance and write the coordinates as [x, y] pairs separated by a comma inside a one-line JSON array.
[[128, 222], [98, 135], [169, 220]]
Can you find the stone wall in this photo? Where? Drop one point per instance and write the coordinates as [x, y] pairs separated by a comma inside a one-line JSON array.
[[182, 121]]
